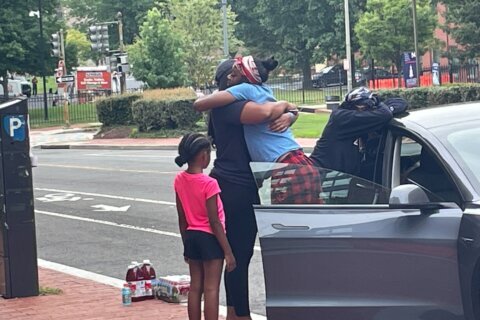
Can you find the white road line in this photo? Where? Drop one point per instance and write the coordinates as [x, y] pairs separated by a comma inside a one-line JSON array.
[[108, 196], [133, 156], [114, 224], [109, 223], [114, 282], [104, 169]]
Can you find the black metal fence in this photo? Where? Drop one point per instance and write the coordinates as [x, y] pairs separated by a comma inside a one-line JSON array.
[[294, 90], [466, 73], [58, 110]]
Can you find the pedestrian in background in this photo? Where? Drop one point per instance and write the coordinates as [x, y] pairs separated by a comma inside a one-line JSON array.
[[202, 226], [34, 85]]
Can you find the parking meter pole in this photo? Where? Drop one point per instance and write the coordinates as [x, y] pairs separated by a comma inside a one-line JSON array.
[[18, 248]]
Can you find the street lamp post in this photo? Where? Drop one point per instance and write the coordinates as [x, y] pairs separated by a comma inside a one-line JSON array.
[[226, 52], [42, 56], [417, 66], [348, 47]]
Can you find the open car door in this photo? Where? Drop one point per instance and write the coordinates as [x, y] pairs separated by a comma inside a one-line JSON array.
[[351, 255]]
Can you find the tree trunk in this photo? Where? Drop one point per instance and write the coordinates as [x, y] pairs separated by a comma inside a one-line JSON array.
[[307, 72], [398, 65]]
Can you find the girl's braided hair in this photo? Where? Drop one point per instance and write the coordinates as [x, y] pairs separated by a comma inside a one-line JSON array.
[[190, 145]]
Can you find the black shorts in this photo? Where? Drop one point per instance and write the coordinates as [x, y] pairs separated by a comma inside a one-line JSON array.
[[200, 245]]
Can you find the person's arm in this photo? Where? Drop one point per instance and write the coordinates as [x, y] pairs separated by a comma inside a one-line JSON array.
[[354, 123], [217, 229], [214, 100], [285, 121], [254, 113], [182, 221]]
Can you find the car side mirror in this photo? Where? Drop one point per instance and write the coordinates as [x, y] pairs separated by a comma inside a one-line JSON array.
[[411, 196]]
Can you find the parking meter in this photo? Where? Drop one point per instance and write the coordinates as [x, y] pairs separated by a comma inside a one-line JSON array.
[[18, 248]]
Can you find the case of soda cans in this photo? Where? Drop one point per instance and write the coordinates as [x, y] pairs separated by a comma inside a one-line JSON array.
[[172, 288]]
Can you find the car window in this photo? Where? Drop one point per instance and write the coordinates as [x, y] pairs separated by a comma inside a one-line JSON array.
[[420, 166], [281, 184]]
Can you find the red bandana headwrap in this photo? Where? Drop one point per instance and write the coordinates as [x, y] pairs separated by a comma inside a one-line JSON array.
[[249, 69]]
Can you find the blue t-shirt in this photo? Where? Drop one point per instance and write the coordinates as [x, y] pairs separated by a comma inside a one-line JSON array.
[[263, 144]]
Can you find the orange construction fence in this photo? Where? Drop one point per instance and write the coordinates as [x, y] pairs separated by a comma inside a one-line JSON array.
[[425, 81]]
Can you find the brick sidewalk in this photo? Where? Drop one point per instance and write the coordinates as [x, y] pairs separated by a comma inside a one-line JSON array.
[[84, 299]]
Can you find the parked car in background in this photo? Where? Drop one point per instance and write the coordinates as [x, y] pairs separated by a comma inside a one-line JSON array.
[[403, 246], [330, 76], [364, 75], [15, 88]]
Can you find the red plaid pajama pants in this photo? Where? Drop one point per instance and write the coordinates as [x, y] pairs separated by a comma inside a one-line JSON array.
[[297, 183]]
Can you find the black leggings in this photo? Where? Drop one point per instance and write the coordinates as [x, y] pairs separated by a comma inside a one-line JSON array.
[[241, 232]]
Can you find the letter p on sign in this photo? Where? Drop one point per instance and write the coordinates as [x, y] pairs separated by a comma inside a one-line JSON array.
[[15, 124], [15, 127]]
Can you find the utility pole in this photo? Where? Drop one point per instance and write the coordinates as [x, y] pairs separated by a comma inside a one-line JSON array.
[[348, 47], [120, 31], [123, 79], [42, 56], [226, 52], [417, 65]]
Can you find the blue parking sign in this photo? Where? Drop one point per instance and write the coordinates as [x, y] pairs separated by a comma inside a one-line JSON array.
[[14, 126]]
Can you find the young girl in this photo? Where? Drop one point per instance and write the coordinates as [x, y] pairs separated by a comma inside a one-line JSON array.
[[202, 225]]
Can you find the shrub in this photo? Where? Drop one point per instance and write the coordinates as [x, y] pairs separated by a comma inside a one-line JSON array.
[[432, 96], [165, 109], [116, 110]]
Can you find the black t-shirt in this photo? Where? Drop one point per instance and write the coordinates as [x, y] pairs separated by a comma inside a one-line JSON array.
[[336, 149], [232, 162]]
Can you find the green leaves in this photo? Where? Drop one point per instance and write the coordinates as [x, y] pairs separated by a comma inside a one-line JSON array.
[[464, 24], [157, 55], [385, 30], [20, 49], [199, 23]]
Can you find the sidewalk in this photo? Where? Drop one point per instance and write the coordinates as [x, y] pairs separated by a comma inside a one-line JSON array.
[[80, 138], [85, 299]]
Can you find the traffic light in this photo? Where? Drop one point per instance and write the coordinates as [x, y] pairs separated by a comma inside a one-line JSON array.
[[99, 37], [55, 43]]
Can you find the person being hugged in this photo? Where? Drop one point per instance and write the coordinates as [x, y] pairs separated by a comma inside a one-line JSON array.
[[202, 225]]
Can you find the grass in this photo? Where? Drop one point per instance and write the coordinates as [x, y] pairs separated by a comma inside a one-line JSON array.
[[51, 84], [79, 113], [47, 291], [310, 125]]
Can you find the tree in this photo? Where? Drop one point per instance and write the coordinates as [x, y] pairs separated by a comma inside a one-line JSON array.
[[385, 31], [20, 49], [77, 48], [200, 24], [299, 32], [463, 24], [157, 55], [90, 11]]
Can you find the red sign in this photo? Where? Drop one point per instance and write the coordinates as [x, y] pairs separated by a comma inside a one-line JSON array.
[[94, 80]]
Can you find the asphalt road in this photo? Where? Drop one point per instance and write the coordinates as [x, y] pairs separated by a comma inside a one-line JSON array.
[[99, 210]]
